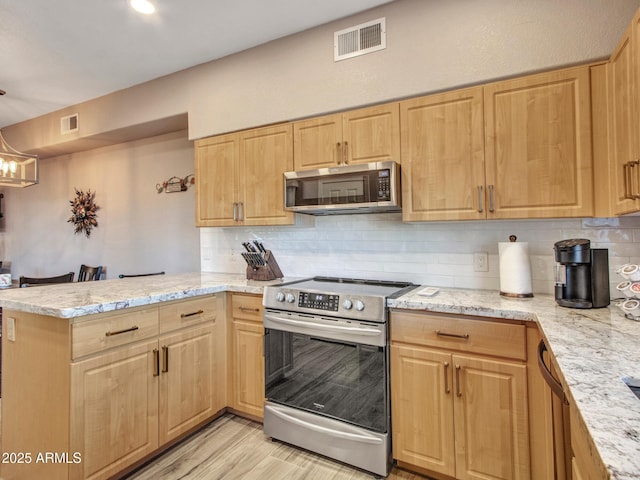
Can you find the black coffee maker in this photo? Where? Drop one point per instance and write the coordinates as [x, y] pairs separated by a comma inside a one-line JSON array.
[[582, 274]]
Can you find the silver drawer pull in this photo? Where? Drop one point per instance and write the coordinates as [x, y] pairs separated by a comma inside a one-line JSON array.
[[454, 335], [118, 332], [184, 315]]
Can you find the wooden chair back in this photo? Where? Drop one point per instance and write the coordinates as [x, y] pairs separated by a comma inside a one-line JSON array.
[[88, 274]]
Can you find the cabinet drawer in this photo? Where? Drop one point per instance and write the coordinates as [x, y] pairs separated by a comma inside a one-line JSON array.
[[459, 334], [188, 312], [112, 331], [247, 307]]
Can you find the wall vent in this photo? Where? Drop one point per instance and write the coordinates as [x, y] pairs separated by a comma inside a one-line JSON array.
[[359, 40], [69, 124]]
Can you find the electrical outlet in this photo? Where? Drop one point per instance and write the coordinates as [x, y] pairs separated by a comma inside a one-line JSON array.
[[481, 262]]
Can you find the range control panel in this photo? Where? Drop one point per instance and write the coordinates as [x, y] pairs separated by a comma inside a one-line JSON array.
[[320, 301]]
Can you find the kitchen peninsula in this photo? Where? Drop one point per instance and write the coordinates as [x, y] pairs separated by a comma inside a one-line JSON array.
[[592, 350]]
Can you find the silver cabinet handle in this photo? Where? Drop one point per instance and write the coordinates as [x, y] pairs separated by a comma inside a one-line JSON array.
[[480, 199], [241, 211], [491, 209], [447, 390], [235, 211], [458, 390]]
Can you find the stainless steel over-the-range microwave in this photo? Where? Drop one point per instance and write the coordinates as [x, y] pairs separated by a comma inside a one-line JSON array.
[[363, 188]]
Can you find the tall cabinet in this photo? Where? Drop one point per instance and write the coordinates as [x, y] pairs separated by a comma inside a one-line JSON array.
[[246, 355]]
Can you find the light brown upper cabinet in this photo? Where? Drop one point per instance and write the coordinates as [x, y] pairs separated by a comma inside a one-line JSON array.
[[518, 148], [239, 177], [357, 136], [443, 156], [538, 158], [624, 86]]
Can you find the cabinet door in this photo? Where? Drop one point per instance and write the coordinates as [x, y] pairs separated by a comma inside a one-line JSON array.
[[538, 146], [491, 419], [115, 410], [443, 157], [317, 142], [624, 120], [371, 134], [247, 367], [187, 381], [265, 154], [422, 408], [216, 163]]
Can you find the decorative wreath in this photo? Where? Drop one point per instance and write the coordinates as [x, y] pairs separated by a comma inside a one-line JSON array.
[[83, 212]]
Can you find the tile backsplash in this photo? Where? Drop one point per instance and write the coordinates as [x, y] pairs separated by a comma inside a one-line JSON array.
[[381, 246]]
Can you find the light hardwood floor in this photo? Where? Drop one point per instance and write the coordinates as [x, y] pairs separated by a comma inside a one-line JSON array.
[[235, 448]]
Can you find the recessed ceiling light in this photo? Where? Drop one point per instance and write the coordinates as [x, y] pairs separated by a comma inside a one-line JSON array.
[[143, 6]]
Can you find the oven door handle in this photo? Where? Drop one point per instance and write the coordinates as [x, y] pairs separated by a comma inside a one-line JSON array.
[[329, 328], [326, 430]]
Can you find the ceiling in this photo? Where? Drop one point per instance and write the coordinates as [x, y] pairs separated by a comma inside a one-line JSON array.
[[59, 53]]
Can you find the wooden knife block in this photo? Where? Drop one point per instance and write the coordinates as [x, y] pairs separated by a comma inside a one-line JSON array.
[[269, 271]]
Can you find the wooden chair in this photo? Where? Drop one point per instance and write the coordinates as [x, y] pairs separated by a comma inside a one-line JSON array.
[[31, 281], [140, 275], [88, 274]]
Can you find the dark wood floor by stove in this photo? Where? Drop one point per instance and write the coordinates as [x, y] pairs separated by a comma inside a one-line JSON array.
[[235, 448]]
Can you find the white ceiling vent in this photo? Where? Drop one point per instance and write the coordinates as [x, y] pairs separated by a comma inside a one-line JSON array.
[[364, 38], [69, 124]]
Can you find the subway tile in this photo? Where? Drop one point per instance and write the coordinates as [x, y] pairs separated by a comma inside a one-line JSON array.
[[438, 253]]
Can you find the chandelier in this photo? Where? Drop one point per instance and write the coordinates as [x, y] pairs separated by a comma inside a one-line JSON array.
[[16, 169]]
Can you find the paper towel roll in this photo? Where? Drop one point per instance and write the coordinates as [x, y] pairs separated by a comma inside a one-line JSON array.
[[515, 269]]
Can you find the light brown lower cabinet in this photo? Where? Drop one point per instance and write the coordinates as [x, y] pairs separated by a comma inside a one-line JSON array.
[[246, 355], [108, 390], [459, 396], [585, 460]]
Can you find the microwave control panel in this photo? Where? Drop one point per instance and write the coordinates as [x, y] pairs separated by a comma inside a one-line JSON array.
[[384, 185]]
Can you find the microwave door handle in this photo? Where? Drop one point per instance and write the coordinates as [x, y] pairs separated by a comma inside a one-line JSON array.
[[321, 326]]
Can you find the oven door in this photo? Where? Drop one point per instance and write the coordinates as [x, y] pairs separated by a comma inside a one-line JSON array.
[[334, 368]]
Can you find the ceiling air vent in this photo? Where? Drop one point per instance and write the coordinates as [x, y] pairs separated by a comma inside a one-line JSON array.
[[69, 124], [364, 38]]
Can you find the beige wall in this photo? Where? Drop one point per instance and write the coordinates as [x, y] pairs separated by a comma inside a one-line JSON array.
[[431, 45], [138, 229]]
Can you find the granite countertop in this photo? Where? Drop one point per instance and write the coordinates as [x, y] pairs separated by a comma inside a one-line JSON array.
[[593, 348], [72, 300]]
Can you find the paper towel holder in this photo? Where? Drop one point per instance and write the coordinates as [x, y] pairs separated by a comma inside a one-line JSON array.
[[527, 272]]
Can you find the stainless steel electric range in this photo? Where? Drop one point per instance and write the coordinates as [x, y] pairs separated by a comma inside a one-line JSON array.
[[327, 368]]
